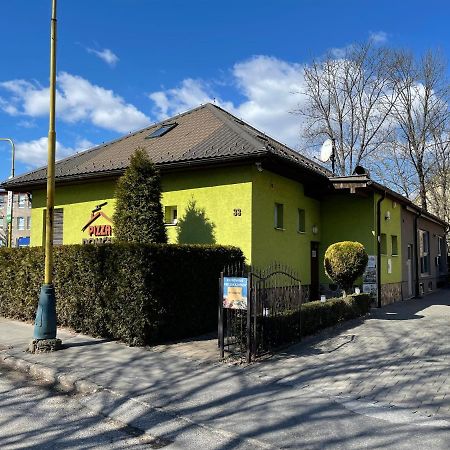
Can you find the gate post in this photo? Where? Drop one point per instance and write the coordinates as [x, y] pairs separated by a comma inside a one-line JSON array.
[[249, 316], [220, 313]]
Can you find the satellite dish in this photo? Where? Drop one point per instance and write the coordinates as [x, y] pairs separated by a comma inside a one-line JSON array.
[[326, 150]]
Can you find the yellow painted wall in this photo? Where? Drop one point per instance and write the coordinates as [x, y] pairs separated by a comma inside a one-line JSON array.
[[218, 192], [392, 226], [287, 246], [77, 201]]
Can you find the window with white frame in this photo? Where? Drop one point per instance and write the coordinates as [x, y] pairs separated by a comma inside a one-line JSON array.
[[424, 252], [278, 216], [394, 245], [21, 223], [440, 253], [170, 215], [21, 200]]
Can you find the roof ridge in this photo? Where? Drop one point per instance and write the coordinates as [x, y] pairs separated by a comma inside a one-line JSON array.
[[269, 138]]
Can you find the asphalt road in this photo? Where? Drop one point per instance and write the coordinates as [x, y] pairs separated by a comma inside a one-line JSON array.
[[34, 415]]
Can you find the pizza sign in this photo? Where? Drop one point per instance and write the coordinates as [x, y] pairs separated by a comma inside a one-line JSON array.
[[99, 233]]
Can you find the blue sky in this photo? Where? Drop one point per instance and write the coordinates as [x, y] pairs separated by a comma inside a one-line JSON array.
[[123, 64]]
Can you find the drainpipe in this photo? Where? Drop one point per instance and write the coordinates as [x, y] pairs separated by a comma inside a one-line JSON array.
[[379, 249], [416, 255]]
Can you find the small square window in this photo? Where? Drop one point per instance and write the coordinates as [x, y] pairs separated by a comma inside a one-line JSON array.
[[383, 244], [394, 245], [278, 223], [301, 221], [170, 215]]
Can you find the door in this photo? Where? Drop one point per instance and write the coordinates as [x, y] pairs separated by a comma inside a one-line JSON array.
[[410, 268], [314, 289]]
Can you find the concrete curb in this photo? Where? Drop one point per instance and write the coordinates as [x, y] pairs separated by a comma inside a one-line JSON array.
[[57, 377]]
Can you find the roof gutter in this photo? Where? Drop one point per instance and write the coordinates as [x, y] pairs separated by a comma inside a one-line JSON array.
[[379, 248]]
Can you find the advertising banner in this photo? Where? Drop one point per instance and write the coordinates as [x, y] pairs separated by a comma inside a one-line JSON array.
[[235, 292], [370, 276]]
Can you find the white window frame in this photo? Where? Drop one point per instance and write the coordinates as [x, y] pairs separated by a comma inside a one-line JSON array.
[[21, 200], [21, 223], [424, 252], [278, 224], [301, 211], [171, 215]]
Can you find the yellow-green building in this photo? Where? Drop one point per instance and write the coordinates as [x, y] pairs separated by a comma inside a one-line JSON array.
[[225, 182]]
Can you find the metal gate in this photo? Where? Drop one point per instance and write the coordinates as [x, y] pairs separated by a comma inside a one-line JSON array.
[[259, 310]]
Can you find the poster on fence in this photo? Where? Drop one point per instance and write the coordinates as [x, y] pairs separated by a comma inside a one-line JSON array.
[[235, 292]]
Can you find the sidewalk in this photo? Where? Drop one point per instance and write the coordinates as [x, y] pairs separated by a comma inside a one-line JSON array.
[[381, 383]]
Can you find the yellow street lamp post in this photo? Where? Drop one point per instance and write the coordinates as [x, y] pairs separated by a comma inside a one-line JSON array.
[[44, 337], [10, 204]]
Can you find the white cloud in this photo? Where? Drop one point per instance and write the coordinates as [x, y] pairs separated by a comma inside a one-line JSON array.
[[378, 37], [189, 94], [34, 153], [106, 55], [271, 89], [77, 99]]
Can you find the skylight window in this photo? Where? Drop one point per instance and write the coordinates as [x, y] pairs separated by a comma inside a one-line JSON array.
[[162, 130]]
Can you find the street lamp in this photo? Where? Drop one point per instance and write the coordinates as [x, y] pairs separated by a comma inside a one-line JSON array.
[[9, 207], [44, 336]]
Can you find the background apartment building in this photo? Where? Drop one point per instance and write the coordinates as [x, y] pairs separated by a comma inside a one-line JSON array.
[[21, 219]]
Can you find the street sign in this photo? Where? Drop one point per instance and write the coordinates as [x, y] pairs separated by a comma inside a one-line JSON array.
[[9, 207]]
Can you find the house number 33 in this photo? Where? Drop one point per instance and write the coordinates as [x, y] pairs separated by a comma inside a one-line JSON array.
[[237, 212]]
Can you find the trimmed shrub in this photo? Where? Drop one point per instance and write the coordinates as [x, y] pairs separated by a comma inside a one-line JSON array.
[[140, 294], [344, 262], [315, 316], [138, 215], [319, 315]]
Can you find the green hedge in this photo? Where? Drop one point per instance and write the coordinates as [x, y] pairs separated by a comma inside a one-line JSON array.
[[319, 315], [140, 294], [283, 328]]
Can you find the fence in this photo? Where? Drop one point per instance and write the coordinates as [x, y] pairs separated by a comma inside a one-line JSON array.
[[259, 310]]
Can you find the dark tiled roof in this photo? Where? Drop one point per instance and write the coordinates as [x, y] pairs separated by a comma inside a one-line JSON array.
[[203, 134]]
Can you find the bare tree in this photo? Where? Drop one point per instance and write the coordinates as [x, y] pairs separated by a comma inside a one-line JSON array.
[[438, 183], [420, 113], [349, 99]]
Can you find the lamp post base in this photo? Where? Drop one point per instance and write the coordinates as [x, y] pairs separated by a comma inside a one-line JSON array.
[[44, 345], [45, 323]]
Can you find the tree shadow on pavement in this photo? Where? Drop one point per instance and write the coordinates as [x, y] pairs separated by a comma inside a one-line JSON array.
[[294, 400]]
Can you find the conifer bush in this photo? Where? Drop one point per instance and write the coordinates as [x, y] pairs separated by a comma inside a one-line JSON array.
[[138, 215], [344, 262]]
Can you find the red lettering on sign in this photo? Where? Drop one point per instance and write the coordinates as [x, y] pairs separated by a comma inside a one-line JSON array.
[[100, 230]]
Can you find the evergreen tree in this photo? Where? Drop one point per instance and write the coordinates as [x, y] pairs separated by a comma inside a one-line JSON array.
[[138, 216]]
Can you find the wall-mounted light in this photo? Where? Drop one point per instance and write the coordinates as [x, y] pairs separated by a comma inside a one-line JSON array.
[[315, 229], [259, 166], [387, 216]]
